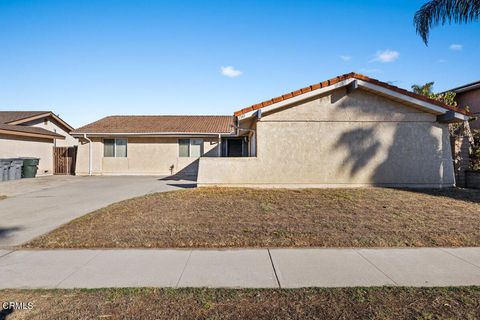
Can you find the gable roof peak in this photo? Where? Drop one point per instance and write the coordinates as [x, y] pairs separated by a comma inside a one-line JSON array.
[[407, 95]]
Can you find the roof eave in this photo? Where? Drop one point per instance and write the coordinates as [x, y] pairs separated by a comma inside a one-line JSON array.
[[150, 134], [39, 116], [467, 87], [429, 107], [31, 134]]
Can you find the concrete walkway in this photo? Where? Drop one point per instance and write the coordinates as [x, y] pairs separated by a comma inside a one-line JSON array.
[[37, 206], [242, 268]]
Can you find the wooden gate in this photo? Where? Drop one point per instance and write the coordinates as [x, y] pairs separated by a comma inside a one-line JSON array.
[[64, 159]]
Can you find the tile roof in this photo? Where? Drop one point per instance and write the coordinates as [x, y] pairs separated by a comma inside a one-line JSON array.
[[159, 124], [33, 130], [335, 80], [10, 116]]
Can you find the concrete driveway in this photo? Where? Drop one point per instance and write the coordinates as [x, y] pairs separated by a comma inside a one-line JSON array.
[[37, 206]]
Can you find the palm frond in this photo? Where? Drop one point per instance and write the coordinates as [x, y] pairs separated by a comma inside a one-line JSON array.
[[437, 12]]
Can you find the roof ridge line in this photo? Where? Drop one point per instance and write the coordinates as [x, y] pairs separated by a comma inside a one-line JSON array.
[[343, 77]]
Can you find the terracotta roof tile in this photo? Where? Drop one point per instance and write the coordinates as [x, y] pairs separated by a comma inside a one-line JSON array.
[[343, 77], [159, 124]]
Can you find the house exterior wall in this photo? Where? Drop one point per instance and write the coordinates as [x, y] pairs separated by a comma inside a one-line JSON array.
[[472, 100], [12, 146], [16, 146], [53, 126], [341, 140], [145, 156]]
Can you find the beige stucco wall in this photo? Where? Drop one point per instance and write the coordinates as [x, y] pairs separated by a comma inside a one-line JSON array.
[[472, 100], [53, 126], [145, 155], [341, 140], [14, 146]]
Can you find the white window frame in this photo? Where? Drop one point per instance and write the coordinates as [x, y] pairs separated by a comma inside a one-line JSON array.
[[190, 146], [115, 147]]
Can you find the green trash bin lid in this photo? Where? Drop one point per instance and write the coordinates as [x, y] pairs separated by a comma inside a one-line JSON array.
[[30, 161]]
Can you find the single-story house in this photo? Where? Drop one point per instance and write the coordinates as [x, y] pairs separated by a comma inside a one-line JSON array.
[[153, 145], [34, 134], [347, 131], [468, 95]]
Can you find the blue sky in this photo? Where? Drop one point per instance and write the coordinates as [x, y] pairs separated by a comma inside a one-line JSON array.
[[88, 59]]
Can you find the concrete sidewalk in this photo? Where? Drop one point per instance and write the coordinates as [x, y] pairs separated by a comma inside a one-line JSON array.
[[242, 268]]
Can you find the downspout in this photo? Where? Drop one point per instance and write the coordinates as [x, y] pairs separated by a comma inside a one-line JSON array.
[[89, 154], [219, 145]]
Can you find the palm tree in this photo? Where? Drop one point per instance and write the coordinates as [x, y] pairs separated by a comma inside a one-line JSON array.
[[424, 90], [437, 12], [447, 97]]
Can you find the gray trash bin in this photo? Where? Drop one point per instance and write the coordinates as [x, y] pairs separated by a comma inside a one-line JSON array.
[[4, 166], [15, 169]]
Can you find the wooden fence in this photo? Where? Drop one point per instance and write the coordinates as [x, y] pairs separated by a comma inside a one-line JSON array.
[[64, 159]]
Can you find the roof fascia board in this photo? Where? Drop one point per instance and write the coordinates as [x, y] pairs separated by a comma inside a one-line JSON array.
[[362, 83], [467, 88], [29, 134], [296, 99], [39, 116], [31, 118], [398, 95], [153, 134], [461, 116]]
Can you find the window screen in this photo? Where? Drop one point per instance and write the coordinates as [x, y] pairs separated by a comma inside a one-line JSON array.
[[109, 148], [120, 148], [183, 147]]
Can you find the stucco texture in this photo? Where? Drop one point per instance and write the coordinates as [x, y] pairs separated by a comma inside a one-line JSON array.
[[21, 146], [14, 147], [341, 140], [53, 126], [471, 99], [145, 156]]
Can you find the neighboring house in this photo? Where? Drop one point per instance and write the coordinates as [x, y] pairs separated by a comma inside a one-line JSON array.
[[162, 145], [33, 134], [350, 130], [469, 95]]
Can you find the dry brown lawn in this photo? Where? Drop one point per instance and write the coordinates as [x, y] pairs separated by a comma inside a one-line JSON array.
[[226, 217], [346, 303]]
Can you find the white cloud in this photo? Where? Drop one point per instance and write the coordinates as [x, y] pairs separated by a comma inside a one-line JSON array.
[[230, 71], [346, 58], [386, 56], [456, 47], [441, 60]]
